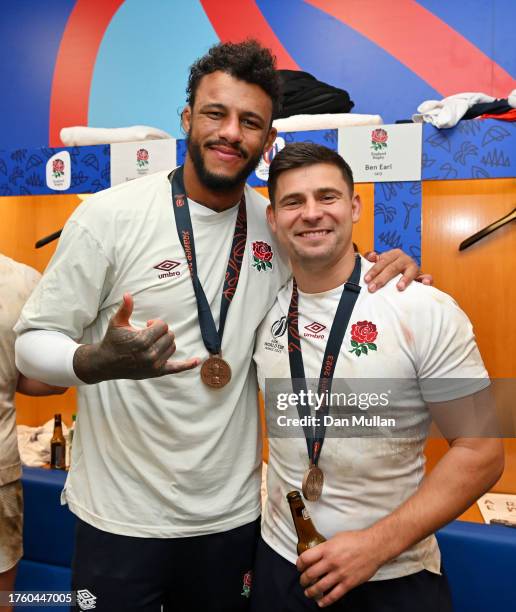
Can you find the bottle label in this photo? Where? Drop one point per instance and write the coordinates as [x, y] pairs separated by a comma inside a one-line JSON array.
[[57, 458], [306, 514]]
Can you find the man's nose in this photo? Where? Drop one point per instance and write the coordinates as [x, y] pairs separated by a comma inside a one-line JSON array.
[[230, 129], [312, 210]]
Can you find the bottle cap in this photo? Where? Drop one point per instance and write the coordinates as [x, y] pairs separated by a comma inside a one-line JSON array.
[[293, 495]]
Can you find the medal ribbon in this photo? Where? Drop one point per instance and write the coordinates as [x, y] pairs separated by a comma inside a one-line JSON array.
[[348, 298], [211, 337]]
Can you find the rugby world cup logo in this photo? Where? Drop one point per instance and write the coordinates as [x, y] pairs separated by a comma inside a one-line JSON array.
[[262, 170]]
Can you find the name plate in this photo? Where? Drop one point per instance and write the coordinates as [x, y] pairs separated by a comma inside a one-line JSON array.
[[131, 160], [383, 153]]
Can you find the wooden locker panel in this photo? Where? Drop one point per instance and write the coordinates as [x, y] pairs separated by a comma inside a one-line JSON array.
[[481, 279], [25, 219]]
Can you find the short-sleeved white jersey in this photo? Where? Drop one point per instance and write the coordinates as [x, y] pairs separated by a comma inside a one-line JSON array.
[[419, 333], [163, 457], [16, 284]]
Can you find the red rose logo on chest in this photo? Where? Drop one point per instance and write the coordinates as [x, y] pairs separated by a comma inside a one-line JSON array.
[[262, 255], [247, 582], [363, 335]]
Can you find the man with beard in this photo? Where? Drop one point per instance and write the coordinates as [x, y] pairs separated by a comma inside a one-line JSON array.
[[165, 475]]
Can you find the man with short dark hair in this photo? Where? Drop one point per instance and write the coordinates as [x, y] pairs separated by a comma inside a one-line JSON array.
[[166, 470], [366, 493]]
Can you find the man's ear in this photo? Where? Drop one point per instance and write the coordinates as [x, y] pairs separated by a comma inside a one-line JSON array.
[[186, 118], [271, 217], [273, 132], [356, 208]]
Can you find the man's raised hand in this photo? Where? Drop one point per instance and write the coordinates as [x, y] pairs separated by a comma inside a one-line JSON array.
[[128, 352]]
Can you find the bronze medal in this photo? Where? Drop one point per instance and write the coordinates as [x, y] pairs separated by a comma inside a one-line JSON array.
[[313, 482], [215, 372]]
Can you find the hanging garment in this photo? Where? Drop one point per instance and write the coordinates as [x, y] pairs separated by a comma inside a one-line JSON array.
[[508, 116], [303, 94], [493, 108]]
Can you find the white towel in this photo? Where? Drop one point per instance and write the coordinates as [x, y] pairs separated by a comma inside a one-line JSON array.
[[328, 121], [511, 99], [34, 443], [80, 135], [449, 111]]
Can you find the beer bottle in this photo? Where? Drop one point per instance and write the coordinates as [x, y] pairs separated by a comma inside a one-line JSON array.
[[307, 535], [57, 445]]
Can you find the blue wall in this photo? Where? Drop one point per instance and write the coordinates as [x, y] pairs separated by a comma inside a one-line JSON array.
[[142, 60]]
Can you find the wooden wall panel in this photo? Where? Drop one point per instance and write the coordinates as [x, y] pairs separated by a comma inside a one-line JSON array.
[[481, 279], [23, 220]]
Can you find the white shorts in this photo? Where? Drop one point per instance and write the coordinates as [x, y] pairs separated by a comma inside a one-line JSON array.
[[11, 525]]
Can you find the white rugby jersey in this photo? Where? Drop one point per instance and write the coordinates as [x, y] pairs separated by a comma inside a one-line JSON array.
[[417, 333], [16, 284], [163, 457]]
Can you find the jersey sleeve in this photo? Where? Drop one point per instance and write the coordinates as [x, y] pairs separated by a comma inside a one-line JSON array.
[[32, 278], [449, 364], [68, 297]]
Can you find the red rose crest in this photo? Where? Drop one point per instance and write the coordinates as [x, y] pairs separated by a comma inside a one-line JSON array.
[[142, 158], [262, 255], [363, 335], [58, 168], [379, 139], [246, 585]]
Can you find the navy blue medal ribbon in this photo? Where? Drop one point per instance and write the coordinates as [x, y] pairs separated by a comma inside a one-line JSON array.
[[348, 298], [212, 337]]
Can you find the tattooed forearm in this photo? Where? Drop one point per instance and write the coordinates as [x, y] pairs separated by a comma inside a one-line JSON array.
[[128, 352]]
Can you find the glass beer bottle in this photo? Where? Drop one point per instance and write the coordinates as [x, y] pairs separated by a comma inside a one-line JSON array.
[[307, 534], [57, 446]]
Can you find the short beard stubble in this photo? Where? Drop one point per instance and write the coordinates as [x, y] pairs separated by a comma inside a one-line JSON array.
[[217, 182]]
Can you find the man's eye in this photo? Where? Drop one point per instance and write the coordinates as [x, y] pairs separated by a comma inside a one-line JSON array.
[[251, 124], [329, 197], [214, 114]]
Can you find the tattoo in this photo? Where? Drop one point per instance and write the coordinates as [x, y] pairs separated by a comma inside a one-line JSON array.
[[125, 353]]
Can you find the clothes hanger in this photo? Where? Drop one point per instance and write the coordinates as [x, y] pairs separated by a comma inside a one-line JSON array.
[[50, 238], [488, 230], [463, 245]]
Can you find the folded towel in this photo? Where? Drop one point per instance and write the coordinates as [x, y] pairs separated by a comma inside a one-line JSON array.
[[512, 98], [448, 112], [327, 121], [79, 135], [34, 443]]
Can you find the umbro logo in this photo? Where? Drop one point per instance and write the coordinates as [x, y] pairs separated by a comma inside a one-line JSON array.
[[315, 330], [167, 266]]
